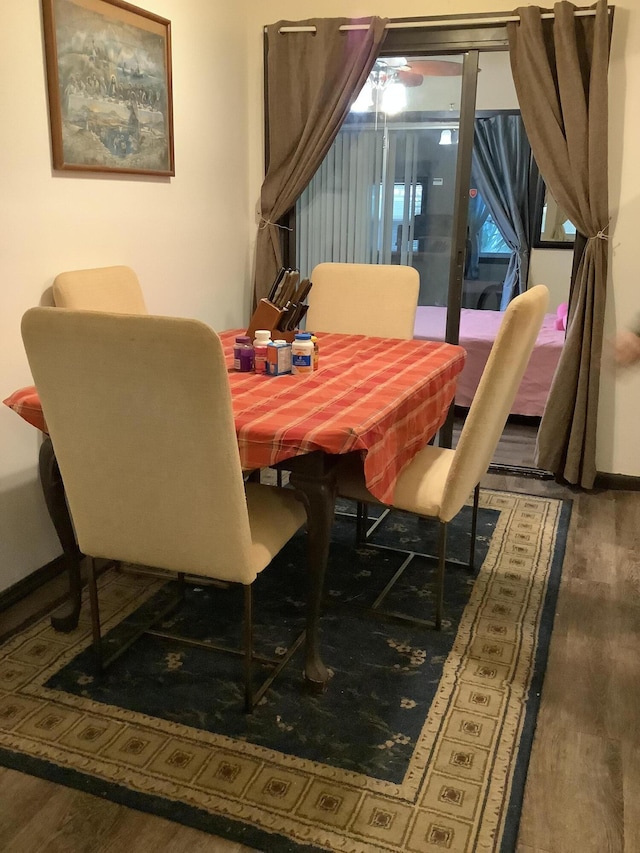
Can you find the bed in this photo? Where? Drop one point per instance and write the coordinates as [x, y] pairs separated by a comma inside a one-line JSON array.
[[477, 332]]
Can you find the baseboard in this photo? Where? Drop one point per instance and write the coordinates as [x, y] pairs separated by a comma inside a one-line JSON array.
[[603, 481], [624, 482], [31, 583]]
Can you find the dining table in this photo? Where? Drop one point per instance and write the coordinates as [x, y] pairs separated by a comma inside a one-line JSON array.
[[381, 398]]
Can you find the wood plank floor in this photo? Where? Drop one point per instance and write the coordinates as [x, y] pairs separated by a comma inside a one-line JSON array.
[[583, 786]]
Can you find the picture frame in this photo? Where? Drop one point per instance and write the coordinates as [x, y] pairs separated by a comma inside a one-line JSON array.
[[109, 86]]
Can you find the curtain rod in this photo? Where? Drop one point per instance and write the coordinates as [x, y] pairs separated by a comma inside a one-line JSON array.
[[451, 22]]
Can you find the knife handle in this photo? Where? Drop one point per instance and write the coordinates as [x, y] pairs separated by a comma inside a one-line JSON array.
[[275, 284]]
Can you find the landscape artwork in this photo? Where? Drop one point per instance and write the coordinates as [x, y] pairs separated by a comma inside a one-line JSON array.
[[109, 83]]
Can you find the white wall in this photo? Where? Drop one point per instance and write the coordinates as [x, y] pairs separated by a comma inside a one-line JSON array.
[[187, 237], [617, 446], [553, 268]]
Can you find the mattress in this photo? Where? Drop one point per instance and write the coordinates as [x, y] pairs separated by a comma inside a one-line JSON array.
[[478, 330]]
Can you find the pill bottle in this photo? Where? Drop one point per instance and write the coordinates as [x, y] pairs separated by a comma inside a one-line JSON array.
[[316, 351], [260, 344], [302, 353], [243, 354]]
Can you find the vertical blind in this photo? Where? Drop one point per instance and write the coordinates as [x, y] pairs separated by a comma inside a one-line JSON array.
[[347, 213]]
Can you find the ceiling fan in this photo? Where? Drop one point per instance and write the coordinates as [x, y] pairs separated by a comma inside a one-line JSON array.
[[390, 77], [411, 72]]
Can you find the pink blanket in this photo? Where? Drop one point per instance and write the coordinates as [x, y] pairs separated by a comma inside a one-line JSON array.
[[477, 332]]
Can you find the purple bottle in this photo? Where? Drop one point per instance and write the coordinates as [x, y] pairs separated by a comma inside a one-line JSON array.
[[243, 354]]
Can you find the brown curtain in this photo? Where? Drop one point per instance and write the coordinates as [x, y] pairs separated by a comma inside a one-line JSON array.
[[312, 80], [559, 69]]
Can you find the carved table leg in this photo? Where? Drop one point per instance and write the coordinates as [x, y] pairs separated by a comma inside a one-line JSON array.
[[66, 618], [315, 481]]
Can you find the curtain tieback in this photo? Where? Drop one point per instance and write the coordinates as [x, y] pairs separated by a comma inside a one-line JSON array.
[[600, 235], [264, 222]]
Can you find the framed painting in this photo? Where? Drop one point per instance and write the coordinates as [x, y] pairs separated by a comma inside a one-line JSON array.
[[109, 85]]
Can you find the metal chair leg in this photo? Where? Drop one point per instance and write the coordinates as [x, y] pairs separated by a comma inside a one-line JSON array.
[[362, 520], [95, 612], [474, 524], [248, 647], [442, 552]]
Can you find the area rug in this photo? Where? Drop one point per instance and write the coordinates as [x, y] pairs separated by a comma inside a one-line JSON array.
[[420, 743]]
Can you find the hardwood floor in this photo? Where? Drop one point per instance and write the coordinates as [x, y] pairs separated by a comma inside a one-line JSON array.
[[583, 779], [517, 444], [583, 786], [39, 816]]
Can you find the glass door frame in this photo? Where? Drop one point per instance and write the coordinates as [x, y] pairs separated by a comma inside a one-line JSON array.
[[450, 39]]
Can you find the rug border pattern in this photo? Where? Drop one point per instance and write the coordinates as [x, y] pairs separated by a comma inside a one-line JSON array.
[[498, 636]]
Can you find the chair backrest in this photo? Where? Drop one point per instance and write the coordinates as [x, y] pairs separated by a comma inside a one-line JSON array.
[[364, 299], [494, 396], [114, 289], [139, 412]]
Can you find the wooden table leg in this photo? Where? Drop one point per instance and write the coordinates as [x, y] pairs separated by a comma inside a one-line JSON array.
[[66, 618], [313, 477]]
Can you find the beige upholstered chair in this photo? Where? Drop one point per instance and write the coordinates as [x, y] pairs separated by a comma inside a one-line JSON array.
[[364, 299], [438, 481], [114, 289], [139, 412]]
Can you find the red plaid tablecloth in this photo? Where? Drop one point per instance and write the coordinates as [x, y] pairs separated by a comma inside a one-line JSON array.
[[26, 403], [381, 396], [384, 397]]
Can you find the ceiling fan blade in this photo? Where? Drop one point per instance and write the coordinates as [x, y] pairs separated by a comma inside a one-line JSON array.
[[436, 67], [409, 78]]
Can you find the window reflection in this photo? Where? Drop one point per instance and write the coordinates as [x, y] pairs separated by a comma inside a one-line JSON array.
[[556, 225]]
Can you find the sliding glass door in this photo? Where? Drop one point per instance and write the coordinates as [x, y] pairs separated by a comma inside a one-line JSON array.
[[386, 192]]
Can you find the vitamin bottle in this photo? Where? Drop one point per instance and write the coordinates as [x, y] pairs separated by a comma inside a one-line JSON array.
[[243, 354], [260, 344], [302, 353], [316, 351]]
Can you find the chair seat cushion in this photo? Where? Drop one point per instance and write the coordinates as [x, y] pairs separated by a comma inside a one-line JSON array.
[[274, 516], [419, 488], [26, 403]]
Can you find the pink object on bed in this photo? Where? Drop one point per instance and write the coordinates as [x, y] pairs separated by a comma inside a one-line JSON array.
[[477, 333]]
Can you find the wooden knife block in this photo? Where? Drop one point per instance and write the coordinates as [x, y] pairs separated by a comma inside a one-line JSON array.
[[267, 316]]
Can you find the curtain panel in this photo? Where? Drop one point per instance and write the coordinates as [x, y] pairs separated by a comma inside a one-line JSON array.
[[501, 157], [477, 215], [559, 69], [312, 80]]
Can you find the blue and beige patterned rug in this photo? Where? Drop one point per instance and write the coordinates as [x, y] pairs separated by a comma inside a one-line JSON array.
[[420, 743]]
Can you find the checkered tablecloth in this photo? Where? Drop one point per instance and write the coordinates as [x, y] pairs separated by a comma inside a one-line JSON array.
[[384, 397], [26, 403]]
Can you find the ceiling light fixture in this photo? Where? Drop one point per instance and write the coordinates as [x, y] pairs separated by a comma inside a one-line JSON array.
[[364, 101], [383, 90], [394, 98]]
